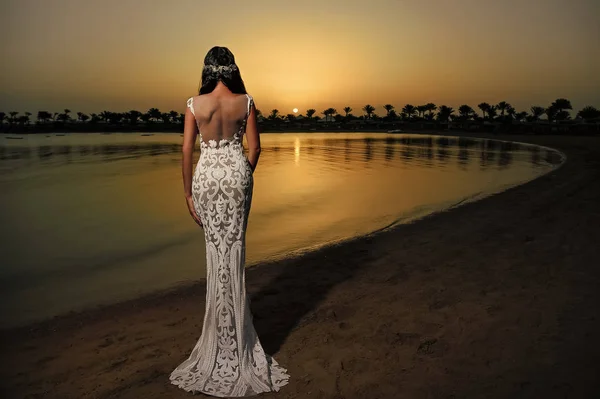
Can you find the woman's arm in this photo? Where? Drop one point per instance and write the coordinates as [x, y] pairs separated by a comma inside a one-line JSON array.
[[253, 138], [190, 131]]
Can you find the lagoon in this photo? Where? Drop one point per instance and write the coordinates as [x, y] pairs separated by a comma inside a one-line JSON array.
[[91, 219]]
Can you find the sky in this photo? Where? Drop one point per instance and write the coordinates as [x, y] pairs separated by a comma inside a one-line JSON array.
[[119, 55]]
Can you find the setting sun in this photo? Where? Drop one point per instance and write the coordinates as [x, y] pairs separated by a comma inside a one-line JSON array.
[[295, 110]]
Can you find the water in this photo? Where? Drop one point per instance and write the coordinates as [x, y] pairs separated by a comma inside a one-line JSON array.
[[90, 219]]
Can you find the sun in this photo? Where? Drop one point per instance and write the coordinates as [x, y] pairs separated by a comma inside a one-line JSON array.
[[295, 110]]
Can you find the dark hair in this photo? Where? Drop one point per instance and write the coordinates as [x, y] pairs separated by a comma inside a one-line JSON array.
[[221, 56]]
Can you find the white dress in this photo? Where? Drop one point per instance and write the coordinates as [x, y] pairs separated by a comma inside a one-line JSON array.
[[228, 359]]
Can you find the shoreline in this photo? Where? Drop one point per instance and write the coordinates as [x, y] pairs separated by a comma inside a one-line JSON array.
[[332, 315], [477, 125]]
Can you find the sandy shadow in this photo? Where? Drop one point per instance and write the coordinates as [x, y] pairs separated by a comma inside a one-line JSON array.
[[299, 286]]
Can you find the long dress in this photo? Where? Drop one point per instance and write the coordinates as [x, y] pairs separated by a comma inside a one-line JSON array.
[[228, 359]]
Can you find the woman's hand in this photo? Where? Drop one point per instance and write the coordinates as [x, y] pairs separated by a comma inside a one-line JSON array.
[[190, 205]]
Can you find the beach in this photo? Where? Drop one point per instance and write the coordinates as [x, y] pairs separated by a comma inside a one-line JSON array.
[[493, 299]]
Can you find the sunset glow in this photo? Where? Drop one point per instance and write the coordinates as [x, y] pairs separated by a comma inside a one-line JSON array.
[[303, 55]]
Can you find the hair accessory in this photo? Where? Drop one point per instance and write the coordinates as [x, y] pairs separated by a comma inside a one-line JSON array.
[[221, 68]]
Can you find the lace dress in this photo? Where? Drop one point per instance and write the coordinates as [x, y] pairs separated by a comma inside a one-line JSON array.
[[228, 359]]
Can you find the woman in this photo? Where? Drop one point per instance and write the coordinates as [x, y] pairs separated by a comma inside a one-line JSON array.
[[228, 360]]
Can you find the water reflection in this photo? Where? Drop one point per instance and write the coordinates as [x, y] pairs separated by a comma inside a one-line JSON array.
[[296, 150], [109, 223], [64, 153], [428, 151]]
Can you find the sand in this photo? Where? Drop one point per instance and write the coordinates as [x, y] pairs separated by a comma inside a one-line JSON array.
[[494, 299]]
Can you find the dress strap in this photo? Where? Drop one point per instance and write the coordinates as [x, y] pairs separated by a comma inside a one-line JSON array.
[[250, 100], [190, 104]]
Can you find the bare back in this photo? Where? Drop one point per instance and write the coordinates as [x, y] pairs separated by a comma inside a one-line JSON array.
[[220, 118]]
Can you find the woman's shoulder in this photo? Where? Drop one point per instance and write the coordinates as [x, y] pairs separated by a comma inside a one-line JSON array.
[[245, 97], [196, 99], [190, 101], [250, 98], [193, 98], [242, 95]]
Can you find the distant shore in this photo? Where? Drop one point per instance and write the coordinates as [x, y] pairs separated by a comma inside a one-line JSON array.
[[496, 298], [524, 128]]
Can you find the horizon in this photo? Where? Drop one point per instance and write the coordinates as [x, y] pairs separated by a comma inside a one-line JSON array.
[[305, 55]]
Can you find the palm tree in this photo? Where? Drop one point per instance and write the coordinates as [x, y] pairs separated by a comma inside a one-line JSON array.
[[166, 117], [310, 112], [502, 106], [13, 117], [328, 113], [109, 118], [431, 108], [332, 112], [2, 117], [484, 107], [43, 116], [105, 115], [409, 111], [536, 112], [347, 111], [116, 117], [133, 116], [588, 113], [444, 113], [521, 116], [510, 111], [465, 112], [551, 113], [421, 109], [274, 114], [562, 105], [563, 115], [154, 114], [492, 112], [145, 117], [66, 116], [173, 115], [388, 108], [369, 109], [24, 119]]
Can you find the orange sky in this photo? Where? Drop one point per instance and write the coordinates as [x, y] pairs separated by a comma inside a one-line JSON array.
[[135, 54]]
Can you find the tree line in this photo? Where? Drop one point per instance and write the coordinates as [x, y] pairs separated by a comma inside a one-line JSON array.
[[133, 117], [557, 111]]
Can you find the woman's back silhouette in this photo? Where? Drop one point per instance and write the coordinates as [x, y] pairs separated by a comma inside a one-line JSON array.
[[228, 360]]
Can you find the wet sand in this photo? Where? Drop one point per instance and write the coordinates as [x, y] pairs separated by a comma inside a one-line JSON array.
[[494, 299]]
